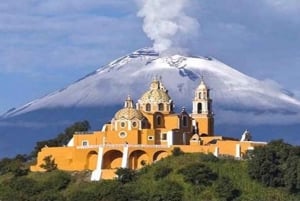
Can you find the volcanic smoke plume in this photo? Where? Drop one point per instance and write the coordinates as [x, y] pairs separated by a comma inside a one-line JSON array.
[[166, 23]]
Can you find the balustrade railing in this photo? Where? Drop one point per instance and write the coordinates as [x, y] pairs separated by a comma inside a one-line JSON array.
[[157, 146]]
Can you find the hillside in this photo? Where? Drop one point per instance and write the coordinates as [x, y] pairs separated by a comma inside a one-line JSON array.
[[168, 179]]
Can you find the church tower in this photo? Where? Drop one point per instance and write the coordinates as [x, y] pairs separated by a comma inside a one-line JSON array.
[[202, 111]]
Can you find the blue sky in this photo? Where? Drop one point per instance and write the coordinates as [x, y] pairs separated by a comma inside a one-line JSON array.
[[46, 45]]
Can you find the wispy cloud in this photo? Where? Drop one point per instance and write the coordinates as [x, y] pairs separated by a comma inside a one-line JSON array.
[[286, 6], [71, 34]]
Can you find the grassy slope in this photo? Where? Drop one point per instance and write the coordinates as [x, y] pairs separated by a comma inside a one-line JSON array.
[[235, 170]]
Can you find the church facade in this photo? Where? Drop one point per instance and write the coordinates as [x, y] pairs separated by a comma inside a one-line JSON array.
[[145, 132]]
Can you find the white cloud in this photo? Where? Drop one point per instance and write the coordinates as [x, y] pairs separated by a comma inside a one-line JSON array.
[[286, 6]]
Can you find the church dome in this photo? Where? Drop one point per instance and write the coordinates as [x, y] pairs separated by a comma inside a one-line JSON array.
[[156, 94], [128, 114]]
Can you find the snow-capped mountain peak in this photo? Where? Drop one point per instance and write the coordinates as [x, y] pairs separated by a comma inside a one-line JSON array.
[[131, 74]]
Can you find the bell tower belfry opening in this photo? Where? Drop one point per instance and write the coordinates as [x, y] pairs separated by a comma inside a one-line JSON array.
[[202, 110]]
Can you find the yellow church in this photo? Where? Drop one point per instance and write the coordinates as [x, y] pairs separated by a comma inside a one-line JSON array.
[[145, 132]]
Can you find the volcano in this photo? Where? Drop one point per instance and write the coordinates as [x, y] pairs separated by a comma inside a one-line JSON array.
[[239, 101]]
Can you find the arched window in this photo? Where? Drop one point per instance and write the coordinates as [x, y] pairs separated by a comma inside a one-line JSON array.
[[185, 121], [148, 107], [161, 107], [200, 95], [199, 109], [158, 120], [134, 124], [123, 124]]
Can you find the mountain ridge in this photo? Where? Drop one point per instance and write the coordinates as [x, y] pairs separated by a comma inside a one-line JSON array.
[[145, 63]]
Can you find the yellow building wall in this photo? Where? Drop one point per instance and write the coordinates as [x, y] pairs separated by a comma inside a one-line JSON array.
[[92, 139], [205, 125], [145, 134], [172, 122]]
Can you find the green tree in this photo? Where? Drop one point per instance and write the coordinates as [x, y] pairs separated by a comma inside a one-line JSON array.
[[62, 138], [83, 195], [58, 180], [225, 189], [198, 174], [49, 164], [177, 151], [208, 157], [161, 172], [292, 174], [15, 165], [24, 188], [167, 190], [49, 195], [276, 164], [125, 175]]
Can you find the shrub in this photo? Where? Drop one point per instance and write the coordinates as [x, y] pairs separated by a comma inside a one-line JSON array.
[[82, 196], [177, 151], [58, 180], [208, 157], [125, 175], [49, 164], [14, 165], [161, 172], [168, 191], [225, 189], [198, 174]]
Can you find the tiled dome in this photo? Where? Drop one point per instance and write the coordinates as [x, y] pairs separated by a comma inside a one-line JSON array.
[[156, 94], [128, 114]]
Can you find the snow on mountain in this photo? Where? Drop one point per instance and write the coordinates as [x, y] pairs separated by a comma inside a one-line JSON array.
[[236, 95]]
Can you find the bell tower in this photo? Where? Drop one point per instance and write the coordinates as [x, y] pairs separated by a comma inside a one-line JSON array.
[[202, 111]]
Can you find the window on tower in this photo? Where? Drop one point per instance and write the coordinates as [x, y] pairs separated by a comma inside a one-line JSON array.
[[161, 107], [148, 107], [158, 120], [200, 95], [199, 109]]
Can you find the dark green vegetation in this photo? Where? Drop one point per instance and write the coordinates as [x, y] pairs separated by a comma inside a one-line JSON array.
[[272, 173], [276, 165], [62, 138]]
